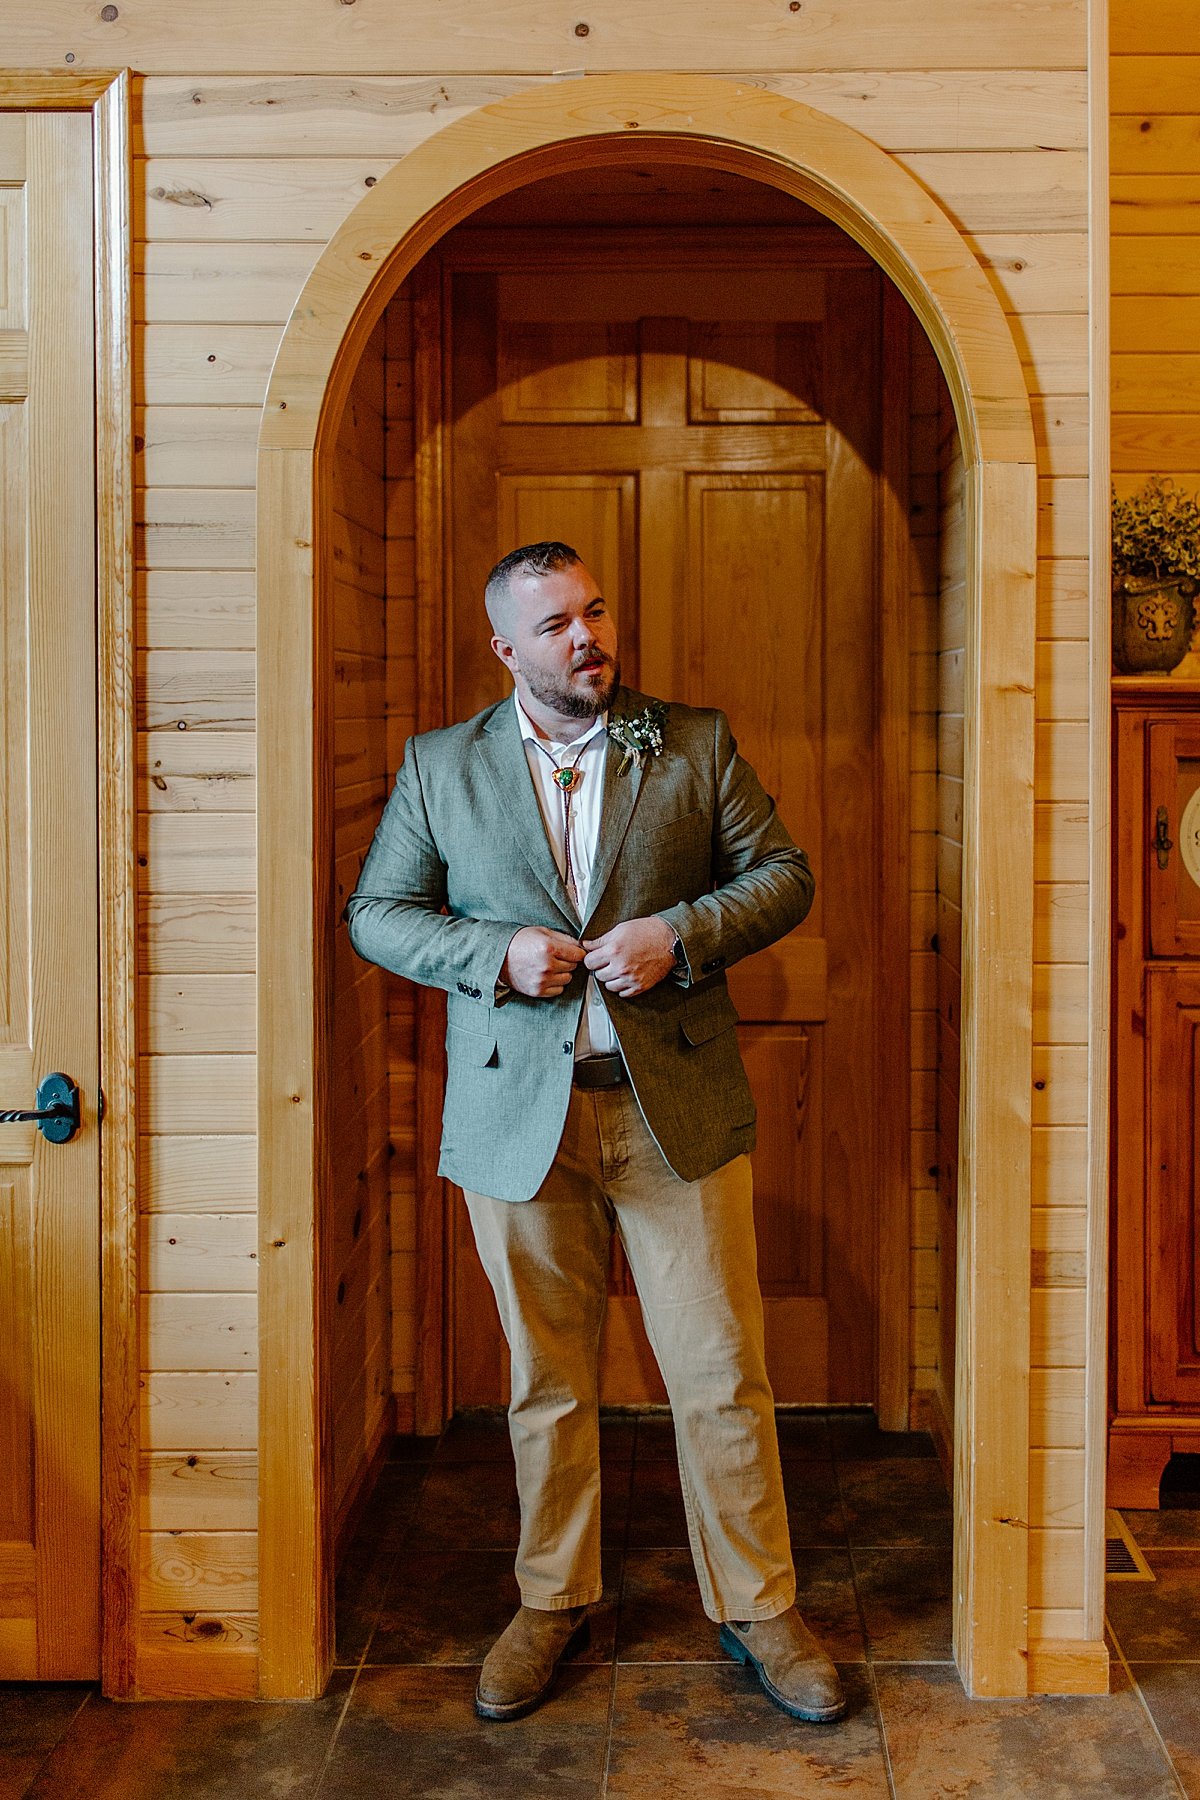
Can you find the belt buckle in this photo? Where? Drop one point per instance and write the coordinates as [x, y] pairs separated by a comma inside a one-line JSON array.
[[605, 1071]]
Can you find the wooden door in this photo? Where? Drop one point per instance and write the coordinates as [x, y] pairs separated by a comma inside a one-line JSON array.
[[1172, 1272], [1173, 849], [707, 438], [49, 1193]]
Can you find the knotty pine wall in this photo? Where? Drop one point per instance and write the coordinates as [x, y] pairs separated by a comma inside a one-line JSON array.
[[926, 398], [359, 1223], [1155, 209], [241, 177], [951, 661]]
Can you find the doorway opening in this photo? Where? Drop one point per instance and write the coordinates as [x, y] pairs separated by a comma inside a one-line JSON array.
[[344, 353], [722, 403]]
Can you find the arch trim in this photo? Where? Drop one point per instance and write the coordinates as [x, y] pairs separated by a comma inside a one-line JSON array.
[[747, 128]]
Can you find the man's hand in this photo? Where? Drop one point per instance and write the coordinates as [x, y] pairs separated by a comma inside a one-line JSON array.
[[540, 963], [632, 957]]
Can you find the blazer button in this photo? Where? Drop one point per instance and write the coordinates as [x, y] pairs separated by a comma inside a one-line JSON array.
[[566, 1049]]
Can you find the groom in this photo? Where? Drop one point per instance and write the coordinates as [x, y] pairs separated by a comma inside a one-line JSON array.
[[577, 867]]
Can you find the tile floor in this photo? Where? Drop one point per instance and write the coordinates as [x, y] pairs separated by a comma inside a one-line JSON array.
[[653, 1710]]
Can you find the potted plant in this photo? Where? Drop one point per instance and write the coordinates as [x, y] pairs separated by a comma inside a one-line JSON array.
[[1155, 576]]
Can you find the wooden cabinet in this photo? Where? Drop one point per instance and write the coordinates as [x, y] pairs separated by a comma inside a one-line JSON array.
[[1156, 1066]]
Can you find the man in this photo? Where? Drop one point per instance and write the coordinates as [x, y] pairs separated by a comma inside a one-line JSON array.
[[577, 866]]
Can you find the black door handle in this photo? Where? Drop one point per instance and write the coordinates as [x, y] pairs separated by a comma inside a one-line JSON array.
[[57, 1117]]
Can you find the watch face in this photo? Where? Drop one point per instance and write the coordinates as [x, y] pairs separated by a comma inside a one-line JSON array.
[[1189, 837]]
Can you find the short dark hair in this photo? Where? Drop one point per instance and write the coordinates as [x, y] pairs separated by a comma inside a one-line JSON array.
[[530, 559]]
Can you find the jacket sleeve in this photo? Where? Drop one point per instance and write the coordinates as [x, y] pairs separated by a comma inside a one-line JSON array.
[[762, 883], [396, 914]]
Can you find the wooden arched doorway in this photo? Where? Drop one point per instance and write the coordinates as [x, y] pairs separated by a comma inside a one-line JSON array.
[[849, 180]]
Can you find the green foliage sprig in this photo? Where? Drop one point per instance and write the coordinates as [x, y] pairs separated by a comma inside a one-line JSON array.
[[1156, 532]]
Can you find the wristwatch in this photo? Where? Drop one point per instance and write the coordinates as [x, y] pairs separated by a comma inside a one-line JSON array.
[[680, 955]]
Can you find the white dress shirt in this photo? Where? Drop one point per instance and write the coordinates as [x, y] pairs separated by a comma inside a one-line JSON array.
[[595, 1035]]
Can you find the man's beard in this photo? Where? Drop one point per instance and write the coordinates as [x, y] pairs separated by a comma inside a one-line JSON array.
[[568, 702]]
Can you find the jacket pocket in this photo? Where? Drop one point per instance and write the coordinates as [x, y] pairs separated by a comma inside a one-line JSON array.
[[707, 1016], [685, 822], [475, 1047]]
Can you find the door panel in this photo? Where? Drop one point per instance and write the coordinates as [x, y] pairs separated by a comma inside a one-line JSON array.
[[1173, 850], [1173, 1162], [49, 1193], [597, 510], [701, 442]]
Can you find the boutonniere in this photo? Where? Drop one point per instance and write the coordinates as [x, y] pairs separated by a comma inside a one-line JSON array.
[[639, 734]]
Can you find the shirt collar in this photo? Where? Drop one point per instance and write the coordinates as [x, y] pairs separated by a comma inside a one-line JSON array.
[[529, 731]]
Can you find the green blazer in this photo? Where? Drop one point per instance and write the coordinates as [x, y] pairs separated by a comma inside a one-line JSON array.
[[460, 861]]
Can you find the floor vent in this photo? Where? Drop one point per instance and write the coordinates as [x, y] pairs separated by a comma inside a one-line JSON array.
[[1123, 1561]]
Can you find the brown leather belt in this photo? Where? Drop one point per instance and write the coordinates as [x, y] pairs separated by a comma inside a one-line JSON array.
[[600, 1071]]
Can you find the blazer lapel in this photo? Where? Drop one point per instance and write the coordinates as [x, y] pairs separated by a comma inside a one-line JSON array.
[[620, 797], [503, 752]]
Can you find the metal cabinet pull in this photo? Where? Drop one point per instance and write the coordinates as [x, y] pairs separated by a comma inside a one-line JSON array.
[[1163, 845], [57, 1117]]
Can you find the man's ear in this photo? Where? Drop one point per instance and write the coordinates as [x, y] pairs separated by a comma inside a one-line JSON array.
[[507, 654]]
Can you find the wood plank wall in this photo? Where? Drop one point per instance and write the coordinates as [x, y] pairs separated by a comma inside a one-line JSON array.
[[951, 643], [240, 180], [1155, 204], [359, 1299], [927, 388], [401, 722]]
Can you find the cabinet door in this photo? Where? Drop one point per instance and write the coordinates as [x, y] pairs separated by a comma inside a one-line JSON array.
[[1173, 839], [1172, 1148]]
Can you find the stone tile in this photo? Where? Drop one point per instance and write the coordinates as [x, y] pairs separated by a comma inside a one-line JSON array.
[[480, 1435], [828, 1602], [467, 1506], [358, 1596], [389, 1512], [655, 1438], [804, 1435], [656, 1516], [906, 1597], [202, 1749], [450, 1606], [662, 1618], [856, 1436], [474, 1506], [33, 1717], [1171, 1527], [899, 1502], [1172, 1693], [412, 1734], [684, 1731], [407, 1447], [815, 1515], [946, 1747], [618, 1433], [1159, 1620]]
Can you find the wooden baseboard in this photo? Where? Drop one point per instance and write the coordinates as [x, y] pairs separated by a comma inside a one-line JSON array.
[[201, 1656], [1068, 1666], [926, 1412]]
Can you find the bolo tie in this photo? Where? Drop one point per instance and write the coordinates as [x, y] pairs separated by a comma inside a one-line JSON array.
[[566, 779]]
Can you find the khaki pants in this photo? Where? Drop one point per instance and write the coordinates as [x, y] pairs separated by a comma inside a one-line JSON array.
[[691, 1247]]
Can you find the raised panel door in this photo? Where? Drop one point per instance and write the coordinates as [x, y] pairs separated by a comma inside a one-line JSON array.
[[1172, 1166], [703, 459]]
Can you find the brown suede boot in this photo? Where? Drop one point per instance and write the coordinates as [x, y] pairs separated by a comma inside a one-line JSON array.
[[790, 1664], [519, 1669]]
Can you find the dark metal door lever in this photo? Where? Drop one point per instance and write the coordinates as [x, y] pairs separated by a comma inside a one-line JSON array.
[[57, 1117]]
